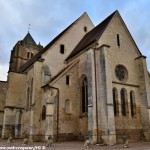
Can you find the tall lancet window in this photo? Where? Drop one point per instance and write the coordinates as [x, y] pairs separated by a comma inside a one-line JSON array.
[[123, 102], [43, 112], [84, 94], [115, 102], [132, 104]]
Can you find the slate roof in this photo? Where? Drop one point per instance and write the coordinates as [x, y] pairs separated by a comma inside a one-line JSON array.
[[91, 36], [29, 40], [95, 34], [38, 55]]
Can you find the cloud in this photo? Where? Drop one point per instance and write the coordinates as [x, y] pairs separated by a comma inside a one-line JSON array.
[[3, 71], [49, 18]]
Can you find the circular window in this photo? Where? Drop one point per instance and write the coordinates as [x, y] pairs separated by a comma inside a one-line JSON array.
[[121, 73]]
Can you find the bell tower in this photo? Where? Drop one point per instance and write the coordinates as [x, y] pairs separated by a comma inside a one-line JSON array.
[[23, 51]]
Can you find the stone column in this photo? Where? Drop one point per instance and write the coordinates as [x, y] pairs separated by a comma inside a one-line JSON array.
[[144, 95], [17, 123], [4, 121], [105, 105], [49, 116], [31, 130], [92, 127]]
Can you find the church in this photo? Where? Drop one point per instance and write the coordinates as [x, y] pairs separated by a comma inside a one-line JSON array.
[[87, 82]]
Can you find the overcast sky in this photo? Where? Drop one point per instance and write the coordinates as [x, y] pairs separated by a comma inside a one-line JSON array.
[[49, 17]]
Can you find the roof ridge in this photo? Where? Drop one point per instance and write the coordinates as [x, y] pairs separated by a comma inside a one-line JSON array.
[[91, 36], [61, 72], [38, 55]]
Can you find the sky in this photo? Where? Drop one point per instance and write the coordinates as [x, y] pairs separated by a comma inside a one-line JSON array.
[[50, 17]]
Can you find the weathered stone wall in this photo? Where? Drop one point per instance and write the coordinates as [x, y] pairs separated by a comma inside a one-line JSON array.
[[3, 90], [69, 123], [125, 54], [15, 101], [32, 115], [53, 58]]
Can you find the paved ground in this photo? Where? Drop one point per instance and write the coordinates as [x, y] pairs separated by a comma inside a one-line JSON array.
[[17, 144]]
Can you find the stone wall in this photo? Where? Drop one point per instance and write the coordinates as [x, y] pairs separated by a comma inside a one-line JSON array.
[[3, 90]]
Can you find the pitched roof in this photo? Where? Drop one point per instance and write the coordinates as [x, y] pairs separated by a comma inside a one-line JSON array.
[[95, 34], [38, 55], [29, 40], [61, 72], [91, 37]]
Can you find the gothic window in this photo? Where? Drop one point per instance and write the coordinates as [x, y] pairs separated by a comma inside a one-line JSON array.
[[67, 106], [84, 94], [44, 112], [121, 73], [31, 55], [28, 55], [123, 102], [115, 102], [132, 103]]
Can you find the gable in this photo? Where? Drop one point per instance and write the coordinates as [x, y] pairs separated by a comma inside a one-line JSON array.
[[91, 37], [96, 34], [118, 27], [74, 37], [123, 53], [53, 56]]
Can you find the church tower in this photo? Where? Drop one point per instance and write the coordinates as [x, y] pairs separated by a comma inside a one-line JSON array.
[[23, 51]]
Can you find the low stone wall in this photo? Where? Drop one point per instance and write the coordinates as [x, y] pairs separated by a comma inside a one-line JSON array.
[[134, 135]]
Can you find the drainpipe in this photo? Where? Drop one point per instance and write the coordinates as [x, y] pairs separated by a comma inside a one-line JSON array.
[[57, 133], [96, 95]]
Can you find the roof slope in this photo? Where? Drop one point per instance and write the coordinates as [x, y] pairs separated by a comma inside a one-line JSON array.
[[91, 36], [29, 40], [95, 34], [38, 55]]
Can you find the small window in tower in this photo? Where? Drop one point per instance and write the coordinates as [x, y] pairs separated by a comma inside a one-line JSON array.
[[31, 55], [85, 29], [118, 40], [28, 55], [62, 49], [67, 80]]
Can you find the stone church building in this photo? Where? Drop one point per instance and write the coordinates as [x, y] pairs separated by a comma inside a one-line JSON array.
[[88, 81]]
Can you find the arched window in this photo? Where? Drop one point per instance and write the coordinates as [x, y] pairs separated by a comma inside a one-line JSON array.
[[132, 103], [44, 112], [115, 102], [84, 94], [123, 102], [28, 55], [67, 106], [31, 55], [28, 99]]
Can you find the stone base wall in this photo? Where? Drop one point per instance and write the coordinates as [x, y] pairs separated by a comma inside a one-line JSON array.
[[37, 138], [134, 135], [10, 130]]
